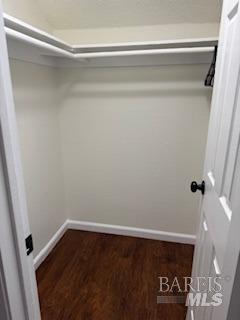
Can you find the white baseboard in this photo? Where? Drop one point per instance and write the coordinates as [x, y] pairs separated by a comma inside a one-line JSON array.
[[132, 232], [111, 229], [50, 245]]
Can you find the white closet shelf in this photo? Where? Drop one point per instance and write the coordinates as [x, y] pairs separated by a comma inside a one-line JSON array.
[[28, 43]]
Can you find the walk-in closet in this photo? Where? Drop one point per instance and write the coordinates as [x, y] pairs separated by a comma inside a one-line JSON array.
[[112, 103]]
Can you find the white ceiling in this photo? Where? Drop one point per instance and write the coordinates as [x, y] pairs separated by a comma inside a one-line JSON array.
[[78, 14]]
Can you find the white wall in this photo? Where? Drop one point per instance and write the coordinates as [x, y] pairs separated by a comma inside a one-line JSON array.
[[132, 141], [111, 145], [35, 94]]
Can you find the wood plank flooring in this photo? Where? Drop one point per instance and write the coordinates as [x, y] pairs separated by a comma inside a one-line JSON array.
[[93, 276]]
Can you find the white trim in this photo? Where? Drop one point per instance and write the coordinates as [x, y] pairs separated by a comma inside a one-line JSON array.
[[111, 229], [50, 245], [132, 231], [27, 299]]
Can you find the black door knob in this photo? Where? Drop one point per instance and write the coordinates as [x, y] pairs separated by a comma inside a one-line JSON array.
[[195, 186]]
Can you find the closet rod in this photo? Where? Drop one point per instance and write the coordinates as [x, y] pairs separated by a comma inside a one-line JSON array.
[[55, 51], [128, 53], [15, 35]]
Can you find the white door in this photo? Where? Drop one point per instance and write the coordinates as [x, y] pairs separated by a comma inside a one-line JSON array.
[[218, 240], [21, 288]]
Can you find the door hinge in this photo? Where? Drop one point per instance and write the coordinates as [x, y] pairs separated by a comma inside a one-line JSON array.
[[29, 244]]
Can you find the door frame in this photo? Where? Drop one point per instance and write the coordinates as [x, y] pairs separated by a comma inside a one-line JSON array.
[[14, 184], [18, 219]]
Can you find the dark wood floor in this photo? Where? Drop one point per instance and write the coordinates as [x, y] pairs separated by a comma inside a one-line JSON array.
[[92, 276]]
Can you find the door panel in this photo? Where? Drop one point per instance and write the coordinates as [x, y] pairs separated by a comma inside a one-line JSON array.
[[221, 165]]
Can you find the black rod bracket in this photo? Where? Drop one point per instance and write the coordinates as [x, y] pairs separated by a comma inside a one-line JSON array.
[[209, 81]]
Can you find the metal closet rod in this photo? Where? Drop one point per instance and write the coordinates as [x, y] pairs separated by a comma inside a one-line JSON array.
[[54, 50], [146, 52], [21, 37]]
